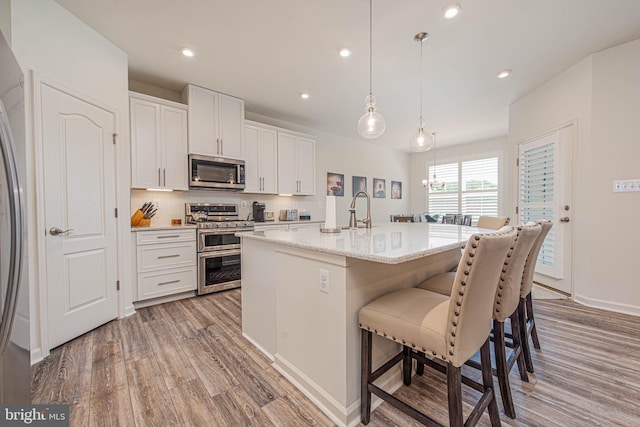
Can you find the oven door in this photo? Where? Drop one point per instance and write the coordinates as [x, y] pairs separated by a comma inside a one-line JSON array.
[[218, 271], [217, 240]]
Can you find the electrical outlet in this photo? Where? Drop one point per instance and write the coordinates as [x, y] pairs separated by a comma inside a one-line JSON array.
[[243, 204], [325, 285], [156, 203]]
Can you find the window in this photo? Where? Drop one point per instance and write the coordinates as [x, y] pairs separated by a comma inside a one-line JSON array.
[[471, 188]]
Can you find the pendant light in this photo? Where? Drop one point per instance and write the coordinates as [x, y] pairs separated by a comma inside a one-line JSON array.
[[420, 140], [371, 124], [434, 183]]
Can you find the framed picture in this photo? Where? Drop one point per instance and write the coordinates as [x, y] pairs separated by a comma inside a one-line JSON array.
[[335, 184], [359, 184], [396, 190], [379, 188]]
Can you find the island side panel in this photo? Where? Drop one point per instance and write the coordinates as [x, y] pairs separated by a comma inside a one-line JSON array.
[[259, 295]]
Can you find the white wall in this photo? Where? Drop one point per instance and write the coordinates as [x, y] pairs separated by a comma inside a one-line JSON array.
[[420, 161], [63, 50], [601, 93]]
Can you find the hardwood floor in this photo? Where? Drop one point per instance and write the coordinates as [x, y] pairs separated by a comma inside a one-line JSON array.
[[186, 363]]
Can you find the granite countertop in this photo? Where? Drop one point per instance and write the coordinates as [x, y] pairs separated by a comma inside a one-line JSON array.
[[277, 222], [389, 243], [164, 227]]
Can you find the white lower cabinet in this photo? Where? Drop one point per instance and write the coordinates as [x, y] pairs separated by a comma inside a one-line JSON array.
[[166, 262]]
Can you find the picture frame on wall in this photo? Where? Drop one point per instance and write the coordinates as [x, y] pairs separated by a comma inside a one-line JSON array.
[[379, 188], [359, 184], [396, 189], [335, 184]]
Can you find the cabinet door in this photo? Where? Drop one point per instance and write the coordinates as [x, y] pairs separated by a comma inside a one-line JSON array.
[[306, 166], [287, 175], [203, 124], [252, 160], [174, 145], [146, 155], [269, 160], [231, 122]]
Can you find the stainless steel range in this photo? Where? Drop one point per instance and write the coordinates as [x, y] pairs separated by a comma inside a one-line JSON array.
[[218, 247]]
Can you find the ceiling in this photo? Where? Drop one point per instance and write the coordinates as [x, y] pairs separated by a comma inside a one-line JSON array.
[[269, 52]]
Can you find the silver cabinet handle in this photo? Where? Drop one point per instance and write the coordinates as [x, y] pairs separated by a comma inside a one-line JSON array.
[[565, 219], [221, 146], [168, 236], [159, 182], [168, 256], [164, 177], [168, 283], [55, 231]]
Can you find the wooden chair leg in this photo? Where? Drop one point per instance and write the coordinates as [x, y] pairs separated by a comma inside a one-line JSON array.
[[517, 346], [487, 380], [454, 392], [502, 369], [406, 365], [365, 376], [532, 320], [419, 365], [524, 337]]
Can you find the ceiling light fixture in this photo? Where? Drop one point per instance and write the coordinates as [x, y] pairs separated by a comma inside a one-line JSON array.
[[420, 140], [345, 52], [434, 183], [371, 124], [503, 74], [304, 95], [451, 11], [188, 52]]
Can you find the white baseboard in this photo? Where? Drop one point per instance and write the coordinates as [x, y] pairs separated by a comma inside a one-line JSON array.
[[617, 307], [161, 300], [258, 346], [129, 311], [37, 356]]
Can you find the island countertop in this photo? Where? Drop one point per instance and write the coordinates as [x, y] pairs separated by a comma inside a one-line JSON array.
[[390, 243]]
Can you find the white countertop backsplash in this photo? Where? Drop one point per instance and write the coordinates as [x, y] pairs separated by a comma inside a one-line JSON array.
[[389, 243]]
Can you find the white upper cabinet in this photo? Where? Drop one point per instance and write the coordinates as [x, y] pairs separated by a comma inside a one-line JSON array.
[[215, 123], [261, 162], [296, 164], [158, 143]]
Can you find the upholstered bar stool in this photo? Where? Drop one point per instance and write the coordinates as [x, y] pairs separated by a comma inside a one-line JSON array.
[[492, 222], [448, 329], [505, 306], [525, 307]]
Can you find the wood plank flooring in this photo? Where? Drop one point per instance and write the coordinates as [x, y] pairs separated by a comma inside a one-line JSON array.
[[186, 363]]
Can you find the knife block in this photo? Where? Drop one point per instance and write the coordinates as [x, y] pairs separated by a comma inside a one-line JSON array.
[[138, 220]]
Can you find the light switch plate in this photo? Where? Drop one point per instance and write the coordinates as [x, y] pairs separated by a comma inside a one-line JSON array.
[[325, 283], [626, 186]]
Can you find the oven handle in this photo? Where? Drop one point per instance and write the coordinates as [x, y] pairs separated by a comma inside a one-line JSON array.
[[219, 254]]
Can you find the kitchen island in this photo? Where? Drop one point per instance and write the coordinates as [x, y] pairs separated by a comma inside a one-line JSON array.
[[302, 291]]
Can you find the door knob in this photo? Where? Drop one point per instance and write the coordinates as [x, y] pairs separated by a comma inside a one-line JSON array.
[[565, 219], [55, 231]]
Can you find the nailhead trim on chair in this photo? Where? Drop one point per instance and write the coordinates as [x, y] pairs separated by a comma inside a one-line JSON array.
[[504, 270]]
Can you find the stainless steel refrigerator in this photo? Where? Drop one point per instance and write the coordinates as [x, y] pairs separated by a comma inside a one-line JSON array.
[[15, 378]]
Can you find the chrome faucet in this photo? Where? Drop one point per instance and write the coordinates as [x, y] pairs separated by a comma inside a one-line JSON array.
[[353, 221]]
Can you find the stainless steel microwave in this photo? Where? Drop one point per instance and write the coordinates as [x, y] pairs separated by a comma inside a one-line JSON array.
[[215, 173]]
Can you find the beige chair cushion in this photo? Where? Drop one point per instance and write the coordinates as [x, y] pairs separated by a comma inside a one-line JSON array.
[[492, 222], [451, 328], [442, 283], [530, 266]]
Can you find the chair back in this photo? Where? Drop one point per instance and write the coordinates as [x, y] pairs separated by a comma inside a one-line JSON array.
[[530, 265], [508, 292], [473, 293], [492, 222]]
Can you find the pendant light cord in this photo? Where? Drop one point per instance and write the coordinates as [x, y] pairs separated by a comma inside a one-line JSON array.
[[370, 48], [421, 90]]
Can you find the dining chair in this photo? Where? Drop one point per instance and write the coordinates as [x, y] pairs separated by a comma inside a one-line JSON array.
[[507, 298], [525, 306], [492, 222], [450, 329]]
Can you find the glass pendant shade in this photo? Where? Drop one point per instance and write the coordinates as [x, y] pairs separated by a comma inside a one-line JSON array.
[[421, 140], [371, 124]]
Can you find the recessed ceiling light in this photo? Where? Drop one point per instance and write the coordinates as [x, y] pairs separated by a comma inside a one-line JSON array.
[[451, 11], [503, 74], [345, 52], [304, 95], [188, 52]]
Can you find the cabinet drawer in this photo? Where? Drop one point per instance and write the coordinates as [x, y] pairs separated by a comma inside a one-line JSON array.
[[162, 256], [165, 236], [152, 285]]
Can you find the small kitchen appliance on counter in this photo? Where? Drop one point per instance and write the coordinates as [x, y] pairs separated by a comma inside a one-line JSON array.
[[288, 214], [269, 216], [218, 247], [258, 211]]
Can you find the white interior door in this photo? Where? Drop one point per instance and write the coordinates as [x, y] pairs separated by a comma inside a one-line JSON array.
[[79, 210], [545, 192]]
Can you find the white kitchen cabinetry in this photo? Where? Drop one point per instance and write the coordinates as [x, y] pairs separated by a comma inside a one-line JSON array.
[[296, 164], [261, 158], [158, 143], [165, 262], [216, 123]]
